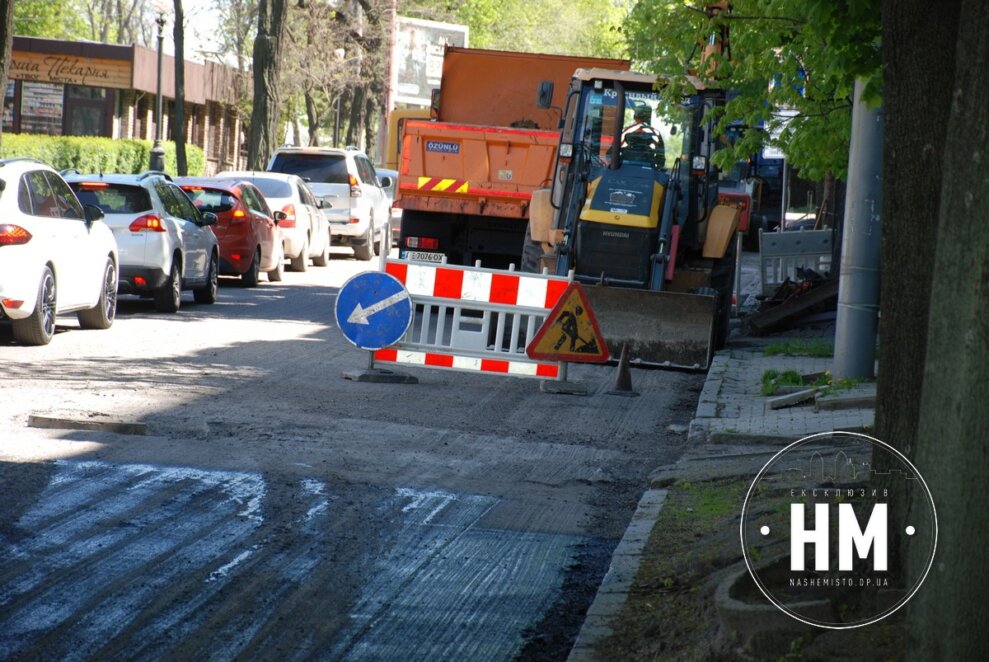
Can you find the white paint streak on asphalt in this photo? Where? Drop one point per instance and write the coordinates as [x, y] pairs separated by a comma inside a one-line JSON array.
[[225, 568], [315, 488]]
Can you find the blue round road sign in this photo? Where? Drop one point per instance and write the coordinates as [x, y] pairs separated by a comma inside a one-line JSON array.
[[373, 310]]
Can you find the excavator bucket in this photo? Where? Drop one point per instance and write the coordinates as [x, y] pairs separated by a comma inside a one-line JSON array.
[[662, 329]]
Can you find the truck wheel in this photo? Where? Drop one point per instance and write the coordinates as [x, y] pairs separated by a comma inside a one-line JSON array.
[[531, 252]]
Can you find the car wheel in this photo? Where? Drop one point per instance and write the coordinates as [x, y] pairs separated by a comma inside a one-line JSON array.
[[323, 258], [252, 276], [301, 262], [39, 328], [101, 315], [377, 241], [207, 293], [278, 272], [169, 297], [365, 249]]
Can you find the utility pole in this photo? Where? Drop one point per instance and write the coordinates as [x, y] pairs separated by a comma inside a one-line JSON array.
[[858, 289]]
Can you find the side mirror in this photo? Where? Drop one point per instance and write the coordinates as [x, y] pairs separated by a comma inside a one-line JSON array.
[[386, 181], [544, 99], [324, 203], [92, 213], [208, 218], [279, 216]]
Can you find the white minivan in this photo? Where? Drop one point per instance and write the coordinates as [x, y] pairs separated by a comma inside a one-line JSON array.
[[359, 204]]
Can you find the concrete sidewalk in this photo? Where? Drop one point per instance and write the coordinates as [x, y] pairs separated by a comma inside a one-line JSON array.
[[733, 434]]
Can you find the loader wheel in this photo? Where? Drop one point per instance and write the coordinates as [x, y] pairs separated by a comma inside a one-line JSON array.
[[531, 252]]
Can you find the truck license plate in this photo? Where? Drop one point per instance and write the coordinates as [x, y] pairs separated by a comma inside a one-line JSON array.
[[422, 256]]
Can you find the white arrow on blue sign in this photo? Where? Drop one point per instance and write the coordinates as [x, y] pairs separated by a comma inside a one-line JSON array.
[[373, 310]]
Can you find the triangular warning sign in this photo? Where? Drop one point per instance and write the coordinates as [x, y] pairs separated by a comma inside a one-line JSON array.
[[570, 332]]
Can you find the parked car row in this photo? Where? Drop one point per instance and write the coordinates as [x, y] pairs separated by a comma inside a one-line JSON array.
[[73, 243]]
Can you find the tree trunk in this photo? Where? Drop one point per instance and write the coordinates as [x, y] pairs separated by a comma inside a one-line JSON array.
[[912, 174], [370, 106], [178, 34], [935, 342], [272, 19], [312, 115], [6, 43], [355, 125]]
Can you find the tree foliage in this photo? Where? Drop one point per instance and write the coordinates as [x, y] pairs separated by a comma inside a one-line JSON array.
[[567, 27], [784, 55], [53, 20]]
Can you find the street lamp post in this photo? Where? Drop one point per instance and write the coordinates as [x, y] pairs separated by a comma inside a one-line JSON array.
[[157, 151]]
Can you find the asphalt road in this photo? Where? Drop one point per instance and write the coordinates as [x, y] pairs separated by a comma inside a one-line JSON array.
[[276, 510]]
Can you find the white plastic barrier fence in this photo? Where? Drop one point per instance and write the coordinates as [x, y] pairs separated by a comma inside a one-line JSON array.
[[782, 253], [474, 319]]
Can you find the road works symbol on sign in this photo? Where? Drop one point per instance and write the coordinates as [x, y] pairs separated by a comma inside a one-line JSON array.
[[570, 332], [373, 310]]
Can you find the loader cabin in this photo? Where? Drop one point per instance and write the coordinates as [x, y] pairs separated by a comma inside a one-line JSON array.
[[625, 137]]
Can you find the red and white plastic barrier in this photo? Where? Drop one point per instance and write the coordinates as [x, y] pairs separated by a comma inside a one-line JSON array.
[[473, 319]]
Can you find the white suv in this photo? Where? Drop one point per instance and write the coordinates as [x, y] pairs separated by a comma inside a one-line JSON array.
[[55, 256], [305, 230], [359, 205], [166, 245]]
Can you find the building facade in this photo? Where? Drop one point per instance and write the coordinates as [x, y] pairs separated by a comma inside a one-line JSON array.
[[90, 89]]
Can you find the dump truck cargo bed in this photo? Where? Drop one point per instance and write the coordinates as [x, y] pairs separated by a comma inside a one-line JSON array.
[[465, 169]]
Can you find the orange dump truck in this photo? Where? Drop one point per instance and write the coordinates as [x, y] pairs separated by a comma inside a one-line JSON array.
[[466, 178]]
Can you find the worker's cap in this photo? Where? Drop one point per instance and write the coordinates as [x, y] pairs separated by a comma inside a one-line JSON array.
[[642, 112]]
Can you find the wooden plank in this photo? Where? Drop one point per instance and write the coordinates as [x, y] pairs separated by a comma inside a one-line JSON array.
[[791, 398]]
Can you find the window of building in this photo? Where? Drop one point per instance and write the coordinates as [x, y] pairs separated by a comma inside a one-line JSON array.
[[9, 101], [41, 108]]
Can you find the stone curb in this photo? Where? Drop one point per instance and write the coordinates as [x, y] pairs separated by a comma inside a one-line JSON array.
[[614, 589]]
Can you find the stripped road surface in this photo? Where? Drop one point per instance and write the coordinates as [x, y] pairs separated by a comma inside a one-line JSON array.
[[275, 510]]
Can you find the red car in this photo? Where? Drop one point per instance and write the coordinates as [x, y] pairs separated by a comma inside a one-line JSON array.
[[247, 230]]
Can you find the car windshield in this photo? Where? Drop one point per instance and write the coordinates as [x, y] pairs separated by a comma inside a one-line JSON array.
[[316, 168], [210, 199], [113, 198], [273, 188]]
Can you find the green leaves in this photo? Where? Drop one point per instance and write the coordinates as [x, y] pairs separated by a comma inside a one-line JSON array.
[[801, 56]]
